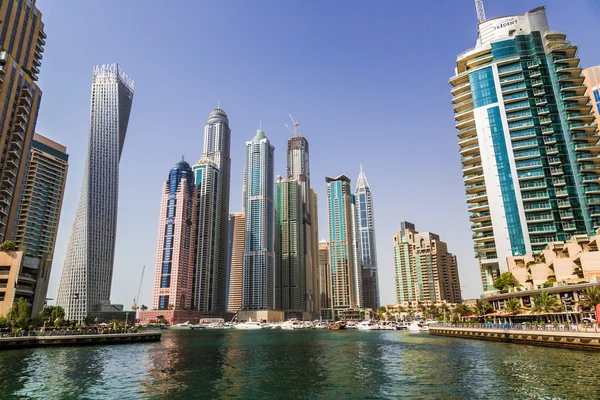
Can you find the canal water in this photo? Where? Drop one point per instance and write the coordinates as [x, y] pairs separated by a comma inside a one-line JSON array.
[[312, 364]]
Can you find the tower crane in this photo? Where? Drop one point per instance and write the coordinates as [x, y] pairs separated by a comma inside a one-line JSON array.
[[137, 299], [480, 10]]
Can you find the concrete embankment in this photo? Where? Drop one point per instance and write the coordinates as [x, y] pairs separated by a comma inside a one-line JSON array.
[[74, 339], [566, 339]]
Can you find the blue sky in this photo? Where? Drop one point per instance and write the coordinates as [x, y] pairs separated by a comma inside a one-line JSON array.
[[366, 80]]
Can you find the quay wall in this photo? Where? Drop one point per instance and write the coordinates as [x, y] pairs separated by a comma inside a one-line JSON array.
[[565, 339], [15, 342]]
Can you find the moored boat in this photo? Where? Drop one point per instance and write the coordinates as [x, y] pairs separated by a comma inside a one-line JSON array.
[[338, 325], [181, 326], [250, 325]]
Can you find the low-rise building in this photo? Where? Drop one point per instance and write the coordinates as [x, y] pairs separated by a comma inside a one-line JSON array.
[[21, 276]]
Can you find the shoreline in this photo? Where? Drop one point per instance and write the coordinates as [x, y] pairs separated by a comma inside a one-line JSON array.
[[78, 339]]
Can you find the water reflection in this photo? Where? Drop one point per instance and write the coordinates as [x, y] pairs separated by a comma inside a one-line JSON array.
[[300, 364]]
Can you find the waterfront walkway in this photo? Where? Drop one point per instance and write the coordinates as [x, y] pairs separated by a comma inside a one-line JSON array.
[[76, 337], [568, 336]]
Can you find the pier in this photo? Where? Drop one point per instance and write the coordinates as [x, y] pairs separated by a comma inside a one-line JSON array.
[[77, 338], [572, 337]]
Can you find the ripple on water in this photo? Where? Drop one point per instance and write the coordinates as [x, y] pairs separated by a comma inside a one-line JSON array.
[[300, 365]]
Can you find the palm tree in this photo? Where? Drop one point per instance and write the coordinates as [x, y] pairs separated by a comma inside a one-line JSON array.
[[462, 310], [482, 307], [544, 303], [143, 307], [513, 306], [591, 297]]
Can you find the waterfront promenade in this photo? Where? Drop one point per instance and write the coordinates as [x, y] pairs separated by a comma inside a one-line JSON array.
[[567, 336], [76, 338]]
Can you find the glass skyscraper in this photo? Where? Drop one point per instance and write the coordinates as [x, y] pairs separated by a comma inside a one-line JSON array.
[[176, 232], [345, 274], [366, 240], [259, 252], [87, 271], [213, 178], [528, 141]]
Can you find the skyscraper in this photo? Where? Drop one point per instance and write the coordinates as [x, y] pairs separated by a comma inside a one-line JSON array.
[[290, 248], [207, 271], [211, 248], [366, 240], [528, 141], [425, 271], [344, 271], [87, 272], [22, 41], [236, 261], [259, 251], [592, 83], [41, 205], [174, 251], [324, 274]]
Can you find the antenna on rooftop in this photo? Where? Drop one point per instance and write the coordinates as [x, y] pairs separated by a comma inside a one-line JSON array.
[[480, 10], [295, 131]]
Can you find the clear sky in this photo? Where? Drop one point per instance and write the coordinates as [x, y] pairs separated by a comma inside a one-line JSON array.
[[366, 80]]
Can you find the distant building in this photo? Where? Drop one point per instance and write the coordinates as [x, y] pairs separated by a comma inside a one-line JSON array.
[[236, 261], [41, 206], [425, 271], [259, 249], [528, 140], [21, 277], [592, 83], [174, 251], [324, 274], [22, 41], [207, 270], [561, 263], [290, 276], [213, 181], [365, 221], [88, 268], [343, 266]]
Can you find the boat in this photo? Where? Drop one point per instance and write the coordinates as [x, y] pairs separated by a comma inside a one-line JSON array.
[[197, 326], [291, 324], [250, 325], [320, 325], [181, 326], [351, 325], [415, 326], [228, 325], [338, 325], [366, 326]]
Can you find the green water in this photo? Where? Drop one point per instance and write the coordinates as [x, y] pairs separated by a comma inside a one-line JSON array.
[[315, 364]]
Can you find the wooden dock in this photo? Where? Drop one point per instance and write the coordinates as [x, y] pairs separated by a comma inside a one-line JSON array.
[[77, 339], [555, 338]]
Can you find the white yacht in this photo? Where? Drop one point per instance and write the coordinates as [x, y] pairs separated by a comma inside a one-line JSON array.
[[181, 326], [367, 326], [291, 324], [415, 326], [250, 325], [321, 325]]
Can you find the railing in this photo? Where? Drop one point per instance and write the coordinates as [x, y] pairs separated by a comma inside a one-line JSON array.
[[547, 327], [75, 332]]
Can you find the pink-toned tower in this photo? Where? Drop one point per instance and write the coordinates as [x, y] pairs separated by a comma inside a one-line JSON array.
[[174, 271]]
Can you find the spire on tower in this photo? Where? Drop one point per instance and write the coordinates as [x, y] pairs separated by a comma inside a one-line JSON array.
[[480, 10]]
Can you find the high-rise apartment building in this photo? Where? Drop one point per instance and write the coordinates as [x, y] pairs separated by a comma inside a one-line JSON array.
[[592, 83], [41, 204], [343, 266], [324, 274], [314, 299], [174, 251], [528, 141], [235, 261], [290, 274], [425, 271], [22, 41], [207, 292], [366, 240], [259, 247], [210, 285], [87, 272]]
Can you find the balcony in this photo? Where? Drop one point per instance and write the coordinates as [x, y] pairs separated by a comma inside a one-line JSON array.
[[461, 88], [465, 123], [484, 248], [470, 179], [578, 126], [542, 111], [534, 196], [533, 185], [479, 207], [592, 189], [536, 207], [566, 214], [554, 161], [535, 74], [547, 130], [472, 168], [25, 277], [16, 144], [481, 226], [562, 193], [514, 126], [545, 121], [536, 83], [556, 171], [480, 216], [569, 226], [558, 182], [24, 289], [541, 101], [539, 92], [525, 144], [475, 188], [474, 148], [564, 204], [18, 136]]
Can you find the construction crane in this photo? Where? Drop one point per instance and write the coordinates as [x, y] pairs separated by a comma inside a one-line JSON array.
[[137, 299], [480, 10], [295, 131]]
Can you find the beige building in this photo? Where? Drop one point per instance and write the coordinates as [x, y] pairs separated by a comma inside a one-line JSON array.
[[237, 224], [592, 83], [323, 272], [19, 277], [425, 270], [572, 262]]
